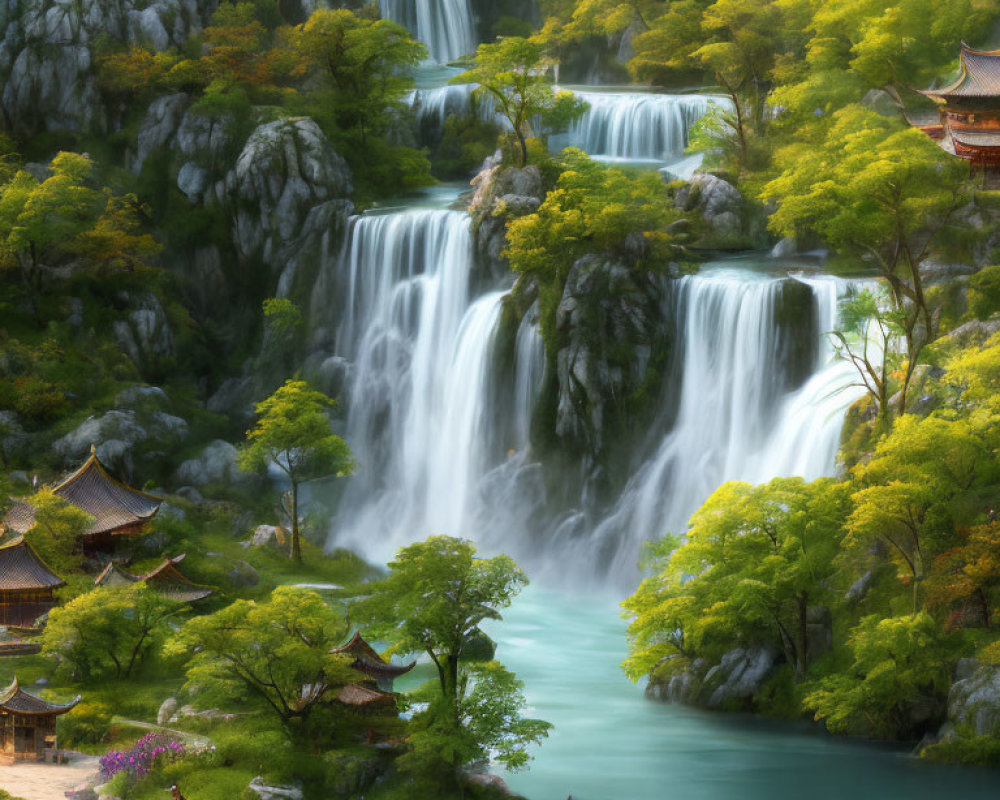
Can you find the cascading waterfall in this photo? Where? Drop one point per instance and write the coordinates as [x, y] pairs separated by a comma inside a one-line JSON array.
[[445, 26], [735, 421], [757, 398], [420, 348], [631, 126]]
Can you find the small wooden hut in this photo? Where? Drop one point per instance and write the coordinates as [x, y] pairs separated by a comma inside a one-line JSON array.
[[27, 585], [27, 724], [118, 509]]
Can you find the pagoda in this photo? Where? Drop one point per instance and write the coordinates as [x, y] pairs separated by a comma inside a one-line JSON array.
[[378, 673], [26, 585], [165, 579], [28, 724], [969, 110], [117, 509]]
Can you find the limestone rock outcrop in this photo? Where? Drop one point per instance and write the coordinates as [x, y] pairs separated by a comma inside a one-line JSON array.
[[48, 54]]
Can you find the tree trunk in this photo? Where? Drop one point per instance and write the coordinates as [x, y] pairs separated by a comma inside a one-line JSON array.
[[523, 144], [802, 660], [296, 543]]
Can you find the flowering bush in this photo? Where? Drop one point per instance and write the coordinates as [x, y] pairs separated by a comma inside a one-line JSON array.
[[152, 750]]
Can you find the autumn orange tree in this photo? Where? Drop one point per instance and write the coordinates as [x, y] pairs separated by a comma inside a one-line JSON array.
[[965, 578]]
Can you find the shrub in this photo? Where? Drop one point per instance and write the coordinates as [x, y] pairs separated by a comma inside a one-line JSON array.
[[88, 723], [151, 751]]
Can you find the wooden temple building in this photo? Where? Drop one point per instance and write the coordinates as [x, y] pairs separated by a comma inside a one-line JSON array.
[[27, 724], [26, 586], [969, 111], [374, 689], [118, 510], [166, 579]]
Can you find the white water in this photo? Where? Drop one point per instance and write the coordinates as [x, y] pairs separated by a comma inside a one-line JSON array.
[[445, 26], [636, 126], [420, 349]]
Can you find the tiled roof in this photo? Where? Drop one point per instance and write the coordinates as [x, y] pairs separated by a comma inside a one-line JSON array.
[[360, 697], [979, 76], [14, 699], [166, 579], [110, 502], [22, 569], [976, 138], [368, 661]]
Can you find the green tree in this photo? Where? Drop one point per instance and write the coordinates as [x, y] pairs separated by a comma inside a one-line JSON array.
[[57, 530], [880, 192], [897, 663], [865, 340], [364, 65], [293, 434], [984, 292], [41, 221], [754, 561], [108, 632], [920, 483], [273, 656], [513, 73], [435, 598], [64, 221], [593, 209]]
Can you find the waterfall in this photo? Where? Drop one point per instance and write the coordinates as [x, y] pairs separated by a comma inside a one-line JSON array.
[[445, 26], [743, 413], [420, 350], [442, 444], [636, 126]]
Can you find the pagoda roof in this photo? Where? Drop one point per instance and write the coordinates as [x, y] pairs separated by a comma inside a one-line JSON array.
[[22, 569], [976, 138], [18, 701], [368, 661], [111, 503], [979, 76], [165, 578], [361, 697]]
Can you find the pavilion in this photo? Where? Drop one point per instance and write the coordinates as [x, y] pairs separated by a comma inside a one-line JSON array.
[[969, 110], [117, 509], [165, 579], [27, 724], [379, 674], [26, 585]]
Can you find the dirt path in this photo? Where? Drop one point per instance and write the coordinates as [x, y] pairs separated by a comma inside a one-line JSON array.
[[46, 781]]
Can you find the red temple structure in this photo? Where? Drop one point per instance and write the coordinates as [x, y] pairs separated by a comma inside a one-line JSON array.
[[969, 110]]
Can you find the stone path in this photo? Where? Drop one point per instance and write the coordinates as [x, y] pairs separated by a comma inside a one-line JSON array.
[[33, 781]]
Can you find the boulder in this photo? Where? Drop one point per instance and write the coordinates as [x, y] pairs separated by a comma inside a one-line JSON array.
[[285, 170], [611, 323], [265, 792], [215, 464], [501, 195], [268, 536], [114, 435], [145, 335], [973, 332], [719, 203], [737, 678], [82, 792], [167, 710], [974, 699]]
